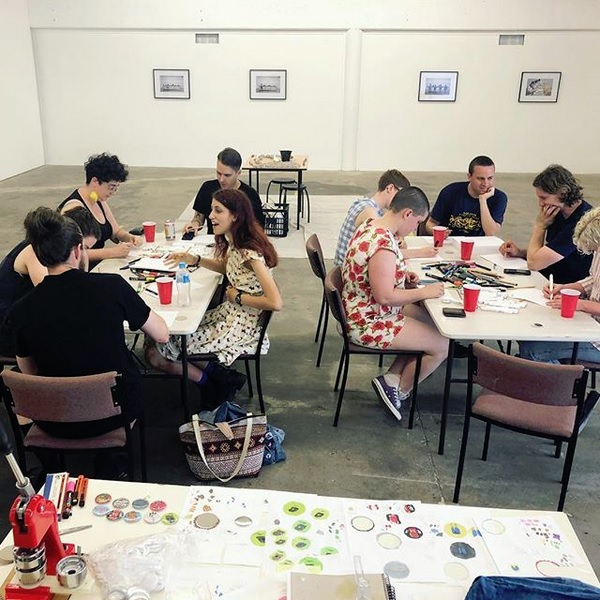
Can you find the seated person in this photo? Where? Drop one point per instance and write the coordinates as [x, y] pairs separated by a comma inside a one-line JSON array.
[[21, 270], [71, 324], [370, 208], [587, 241], [246, 256], [380, 297], [103, 175], [472, 207], [229, 169], [551, 249]]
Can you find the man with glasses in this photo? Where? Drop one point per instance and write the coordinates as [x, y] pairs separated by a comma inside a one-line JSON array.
[[473, 207], [229, 169], [103, 175]]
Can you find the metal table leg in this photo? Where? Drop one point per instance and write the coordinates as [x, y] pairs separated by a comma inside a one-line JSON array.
[[446, 399]]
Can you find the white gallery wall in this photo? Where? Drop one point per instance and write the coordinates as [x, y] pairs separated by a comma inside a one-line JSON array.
[[353, 71], [21, 146]]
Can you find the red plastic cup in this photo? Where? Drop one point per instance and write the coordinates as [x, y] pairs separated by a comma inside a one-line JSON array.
[[470, 296], [149, 230], [165, 289], [568, 302], [439, 235], [466, 250]]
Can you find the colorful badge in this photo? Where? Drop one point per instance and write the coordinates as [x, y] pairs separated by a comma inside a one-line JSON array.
[[103, 498], [120, 503], [114, 515], [101, 510], [170, 518], [132, 516]]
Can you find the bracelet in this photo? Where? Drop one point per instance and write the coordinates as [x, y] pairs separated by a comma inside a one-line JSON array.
[[197, 263], [238, 298]]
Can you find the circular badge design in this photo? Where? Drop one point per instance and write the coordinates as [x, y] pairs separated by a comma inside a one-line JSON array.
[[362, 523], [277, 555], [462, 550], [103, 498], [396, 569], [284, 565], [301, 525], [320, 513], [120, 503], [293, 508], [101, 510], [132, 516], [548, 568], [140, 504], [455, 530], [114, 515], [152, 517], [456, 571], [388, 541], [243, 521], [258, 537], [301, 543], [170, 518], [328, 551], [414, 533], [206, 521], [158, 505], [494, 527], [314, 565]]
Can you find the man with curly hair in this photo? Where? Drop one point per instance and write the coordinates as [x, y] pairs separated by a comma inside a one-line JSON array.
[[551, 249]]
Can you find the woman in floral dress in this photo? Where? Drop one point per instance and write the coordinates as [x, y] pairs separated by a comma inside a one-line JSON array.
[[379, 297], [246, 256]]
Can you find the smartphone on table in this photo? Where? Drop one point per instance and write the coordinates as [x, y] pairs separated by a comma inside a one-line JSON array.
[[453, 312], [517, 272]]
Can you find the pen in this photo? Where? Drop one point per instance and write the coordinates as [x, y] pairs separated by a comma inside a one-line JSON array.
[[551, 286], [151, 292], [77, 490], [83, 492], [66, 510], [132, 262]]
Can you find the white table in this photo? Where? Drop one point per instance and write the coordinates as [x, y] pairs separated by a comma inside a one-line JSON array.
[[103, 532], [182, 321], [536, 323]]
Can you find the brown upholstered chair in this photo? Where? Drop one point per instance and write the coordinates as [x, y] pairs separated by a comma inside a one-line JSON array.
[[333, 292], [538, 399], [69, 400], [317, 264]]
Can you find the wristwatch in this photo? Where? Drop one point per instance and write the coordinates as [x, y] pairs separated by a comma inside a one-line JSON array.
[[238, 298]]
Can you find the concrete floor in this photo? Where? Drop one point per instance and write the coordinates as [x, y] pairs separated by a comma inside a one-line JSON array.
[[369, 455]]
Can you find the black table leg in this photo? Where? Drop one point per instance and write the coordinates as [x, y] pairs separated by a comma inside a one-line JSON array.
[[446, 399], [184, 379], [575, 351], [299, 199]]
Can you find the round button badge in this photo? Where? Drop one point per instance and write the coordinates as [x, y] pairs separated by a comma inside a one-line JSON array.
[[101, 510], [120, 503], [152, 517], [140, 504], [158, 505], [103, 498], [132, 516], [170, 518], [114, 515]]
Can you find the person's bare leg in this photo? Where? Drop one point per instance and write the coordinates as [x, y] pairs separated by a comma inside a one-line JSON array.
[[417, 335], [158, 361]]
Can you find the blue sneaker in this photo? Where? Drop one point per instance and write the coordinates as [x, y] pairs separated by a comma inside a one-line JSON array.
[[390, 395]]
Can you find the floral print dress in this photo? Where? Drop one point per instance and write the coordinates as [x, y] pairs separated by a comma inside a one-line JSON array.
[[229, 329], [369, 323]]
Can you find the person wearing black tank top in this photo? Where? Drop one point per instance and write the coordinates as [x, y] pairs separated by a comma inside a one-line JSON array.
[[103, 175]]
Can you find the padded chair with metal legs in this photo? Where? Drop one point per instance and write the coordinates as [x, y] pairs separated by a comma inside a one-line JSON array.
[[70, 400], [333, 292], [279, 181], [254, 357], [537, 399], [317, 264]]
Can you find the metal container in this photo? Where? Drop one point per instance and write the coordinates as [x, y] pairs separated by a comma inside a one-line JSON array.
[[170, 230], [71, 571], [30, 564]]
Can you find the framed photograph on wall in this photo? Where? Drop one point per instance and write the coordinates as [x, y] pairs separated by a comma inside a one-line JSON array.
[[268, 84], [172, 83], [539, 86], [438, 86]]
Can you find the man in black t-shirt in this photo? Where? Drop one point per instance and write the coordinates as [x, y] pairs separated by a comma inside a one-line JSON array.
[[229, 168]]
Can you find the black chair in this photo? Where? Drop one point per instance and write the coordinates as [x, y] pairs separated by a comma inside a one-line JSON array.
[[302, 196], [317, 264], [537, 399], [254, 357], [333, 292], [279, 181]]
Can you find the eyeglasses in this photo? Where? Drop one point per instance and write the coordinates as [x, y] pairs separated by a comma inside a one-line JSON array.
[[113, 187]]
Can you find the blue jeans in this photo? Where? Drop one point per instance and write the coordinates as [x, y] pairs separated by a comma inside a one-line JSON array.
[[553, 352]]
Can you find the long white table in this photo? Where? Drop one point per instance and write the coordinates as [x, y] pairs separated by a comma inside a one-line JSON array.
[[181, 321], [228, 553], [534, 322]]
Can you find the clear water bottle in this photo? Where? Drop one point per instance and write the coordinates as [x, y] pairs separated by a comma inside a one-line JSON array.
[[182, 280]]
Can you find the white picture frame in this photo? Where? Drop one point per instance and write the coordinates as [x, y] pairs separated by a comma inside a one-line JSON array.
[[268, 84], [438, 86], [539, 86], [172, 83]]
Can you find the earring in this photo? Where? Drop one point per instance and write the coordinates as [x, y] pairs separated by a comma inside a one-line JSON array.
[[93, 196]]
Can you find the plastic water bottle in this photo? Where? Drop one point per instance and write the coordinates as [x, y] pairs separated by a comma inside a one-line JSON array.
[[182, 280]]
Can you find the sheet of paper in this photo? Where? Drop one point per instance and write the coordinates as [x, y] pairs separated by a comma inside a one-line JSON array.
[[148, 263], [505, 263], [168, 315], [530, 295]]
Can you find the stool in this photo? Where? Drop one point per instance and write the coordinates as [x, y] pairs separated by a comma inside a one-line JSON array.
[[279, 182], [302, 194]]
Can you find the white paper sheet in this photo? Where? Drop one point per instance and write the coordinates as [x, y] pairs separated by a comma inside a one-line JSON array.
[[531, 295], [505, 263]]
